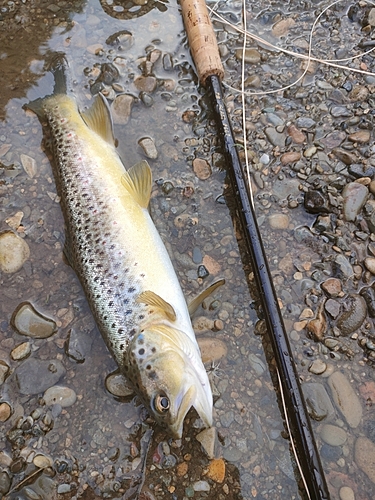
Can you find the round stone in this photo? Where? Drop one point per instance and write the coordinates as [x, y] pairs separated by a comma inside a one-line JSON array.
[[14, 252], [318, 367], [5, 412], [118, 385], [333, 435], [42, 461], [57, 394], [21, 351], [278, 221], [28, 321], [212, 349], [346, 493]]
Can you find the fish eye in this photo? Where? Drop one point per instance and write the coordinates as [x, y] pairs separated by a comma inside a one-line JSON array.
[[161, 403]]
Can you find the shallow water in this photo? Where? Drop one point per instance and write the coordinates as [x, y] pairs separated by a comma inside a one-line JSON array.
[[98, 438]]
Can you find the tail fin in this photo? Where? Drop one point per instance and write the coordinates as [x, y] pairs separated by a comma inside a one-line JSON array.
[[57, 66]]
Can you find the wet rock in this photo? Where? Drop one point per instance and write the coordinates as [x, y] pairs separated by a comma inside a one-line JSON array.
[[149, 148], [201, 486], [203, 324], [4, 371], [121, 108], [309, 152], [256, 364], [344, 156], [78, 345], [359, 93], [315, 202], [290, 157], [42, 461], [318, 402], [276, 138], [58, 394], [29, 165], [297, 136], [354, 195], [202, 168], [14, 221], [145, 83], [332, 287], [330, 453], [278, 221], [108, 73], [208, 439], [28, 321], [362, 136], [216, 470], [332, 307], [318, 367], [345, 398], [337, 111], [369, 263], [341, 267], [35, 376], [212, 349], [252, 56], [333, 435], [368, 293], [352, 318], [333, 139], [118, 385], [5, 482], [5, 411], [317, 327], [346, 493], [21, 351], [14, 252], [282, 27], [358, 170], [305, 122], [124, 38], [364, 455]]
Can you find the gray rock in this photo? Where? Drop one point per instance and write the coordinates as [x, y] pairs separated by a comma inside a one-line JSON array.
[[352, 318], [305, 122], [276, 138], [35, 375], [318, 402], [341, 267], [333, 435], [355, 196], [345, 398], [78, 345]]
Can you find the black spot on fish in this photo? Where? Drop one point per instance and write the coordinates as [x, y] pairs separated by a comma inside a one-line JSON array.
[[132, 331], [110, 304], [98, 295], [131, 289], [122, 347], [141, 316], [120, 331], [141, 352], [148, 367], [152, 375], [128, 311], [153, 349], [140, 341], [126, 301], [113, 325]]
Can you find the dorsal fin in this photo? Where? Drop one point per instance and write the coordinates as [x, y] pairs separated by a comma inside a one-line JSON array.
[[98, 118], [138, 182], [153, 299], [197, 301]]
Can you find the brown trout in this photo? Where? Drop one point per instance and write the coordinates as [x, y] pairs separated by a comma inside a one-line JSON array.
[[121, 261]]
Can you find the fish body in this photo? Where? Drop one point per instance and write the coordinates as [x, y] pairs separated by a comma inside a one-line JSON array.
[[122, 263]]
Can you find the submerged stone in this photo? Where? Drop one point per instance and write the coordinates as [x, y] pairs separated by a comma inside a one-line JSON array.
[[28, 321], [58, 394], [354, 195], [356, 310], [14, 252], [345, 398], [118, 385], [35, 376]]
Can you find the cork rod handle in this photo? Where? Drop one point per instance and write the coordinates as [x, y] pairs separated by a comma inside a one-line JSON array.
[[202, 40]]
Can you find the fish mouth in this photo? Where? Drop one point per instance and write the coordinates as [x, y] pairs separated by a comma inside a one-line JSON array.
[[195, 398]]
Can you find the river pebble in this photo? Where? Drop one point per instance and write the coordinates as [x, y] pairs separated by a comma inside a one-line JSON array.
[[42, 461], [352, 318], [201, 486], [318, 402], [21, 351], [121, 108], [364, 454], [201, 168], [354, 195], [34, 376], [28, 321], [333, 435], [29, 165], [4, 371], [208, 440], [14, 252], [149, 148], [57, 394], [5, 412], [278, 221], [78, 344], [346, 493], [251, 56], [212, 349], [345, 398], [318, 367], [118, 385]]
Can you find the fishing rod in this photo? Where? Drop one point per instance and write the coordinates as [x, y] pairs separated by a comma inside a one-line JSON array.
[[205, 53]]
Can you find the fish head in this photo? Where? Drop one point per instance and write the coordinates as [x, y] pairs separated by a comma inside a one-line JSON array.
[[166, 369]]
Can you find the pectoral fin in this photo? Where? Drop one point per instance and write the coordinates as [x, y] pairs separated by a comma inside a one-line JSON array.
[[138, 182], [152, 299], [195, 303], [99, 119]]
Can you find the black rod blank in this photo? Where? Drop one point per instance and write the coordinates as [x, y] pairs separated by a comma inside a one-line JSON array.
[[299, 421]]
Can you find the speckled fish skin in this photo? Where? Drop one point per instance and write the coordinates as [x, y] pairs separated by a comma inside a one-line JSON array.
[[124, 268]]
